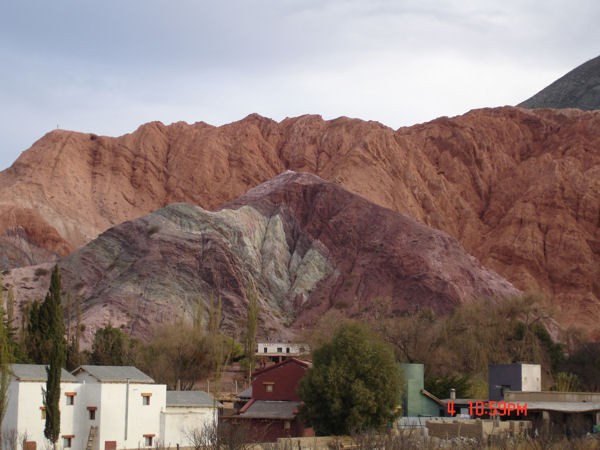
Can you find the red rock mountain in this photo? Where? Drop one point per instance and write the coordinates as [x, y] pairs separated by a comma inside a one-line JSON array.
[[306, 244], [519, 189]]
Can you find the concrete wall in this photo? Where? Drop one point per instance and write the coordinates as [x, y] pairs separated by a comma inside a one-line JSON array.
[[503, 377], [513, 377], [414, 403], [178, 422], [281, 348], [531, 377], [476, 429], [122, 416]]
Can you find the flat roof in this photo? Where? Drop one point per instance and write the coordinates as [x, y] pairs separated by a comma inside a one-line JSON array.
[[567, 407]]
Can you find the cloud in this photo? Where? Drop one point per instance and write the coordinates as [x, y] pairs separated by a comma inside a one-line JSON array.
[[109, 67]]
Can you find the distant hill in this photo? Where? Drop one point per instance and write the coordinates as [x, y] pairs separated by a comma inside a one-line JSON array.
[[308, 245], [518, 188], [580, 89]]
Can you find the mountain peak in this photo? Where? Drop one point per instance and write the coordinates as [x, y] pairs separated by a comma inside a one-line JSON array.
[[580, 88]]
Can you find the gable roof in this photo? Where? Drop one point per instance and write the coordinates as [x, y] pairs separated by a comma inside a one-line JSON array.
[[305, 364], [246, 393], [37, 372], [191, 398], [115, 374]]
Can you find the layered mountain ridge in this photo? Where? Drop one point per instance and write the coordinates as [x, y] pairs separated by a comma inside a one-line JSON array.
[[519, 189], [306, 245]]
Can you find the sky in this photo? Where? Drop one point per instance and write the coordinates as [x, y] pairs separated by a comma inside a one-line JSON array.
[[108, 67]]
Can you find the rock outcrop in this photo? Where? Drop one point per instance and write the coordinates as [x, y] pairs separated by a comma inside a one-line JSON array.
[[306, 244], [520, 189], [580, 88]]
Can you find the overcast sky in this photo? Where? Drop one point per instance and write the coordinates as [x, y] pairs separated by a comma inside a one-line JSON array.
[[107, 67]]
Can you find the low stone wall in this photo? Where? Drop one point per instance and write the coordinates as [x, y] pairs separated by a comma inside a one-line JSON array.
[[476, 428]]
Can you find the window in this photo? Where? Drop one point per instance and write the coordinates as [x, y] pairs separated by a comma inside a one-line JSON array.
[[287, 349], [68, 441], [265, 349], [268, 386], [92, 412], [279, 350], [146, 398], [43, 412], [70, 398], [148, 438]]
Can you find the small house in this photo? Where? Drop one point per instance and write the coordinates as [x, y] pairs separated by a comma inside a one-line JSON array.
[[272, 411], [187, 415]]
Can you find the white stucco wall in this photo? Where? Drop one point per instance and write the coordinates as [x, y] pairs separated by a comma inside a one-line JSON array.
[[24, 414], [281, 348], [116, 402], [531, 377], [178, 422]]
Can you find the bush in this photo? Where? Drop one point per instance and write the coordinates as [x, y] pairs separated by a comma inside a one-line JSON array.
[[354, 384]]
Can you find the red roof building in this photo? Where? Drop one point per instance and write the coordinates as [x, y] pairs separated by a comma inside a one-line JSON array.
[[272, 411]]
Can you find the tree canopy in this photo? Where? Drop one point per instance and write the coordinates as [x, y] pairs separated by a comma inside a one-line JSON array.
[[53, 313], [354, 384]]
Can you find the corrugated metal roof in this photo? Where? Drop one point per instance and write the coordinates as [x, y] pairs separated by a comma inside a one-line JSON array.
[[191, 398], [265, 409], [567, 407], [37, 372], [115, 374], [246, 393]]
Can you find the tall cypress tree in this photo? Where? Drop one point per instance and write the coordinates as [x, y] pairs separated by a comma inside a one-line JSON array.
[[57, 357], [251, 326]]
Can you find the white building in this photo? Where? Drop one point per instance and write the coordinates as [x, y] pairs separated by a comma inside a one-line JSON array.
[[26, 416], [123, 403], [513, 377], [102, 408], [281, 349], [187, 413]]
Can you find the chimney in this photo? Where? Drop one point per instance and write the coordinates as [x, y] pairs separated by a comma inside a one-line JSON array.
[[452, 394]]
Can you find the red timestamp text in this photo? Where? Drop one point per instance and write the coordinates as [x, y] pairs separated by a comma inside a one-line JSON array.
[[492, 408]]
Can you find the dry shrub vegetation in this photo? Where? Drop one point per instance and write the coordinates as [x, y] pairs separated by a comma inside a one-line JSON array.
[[457, 348]]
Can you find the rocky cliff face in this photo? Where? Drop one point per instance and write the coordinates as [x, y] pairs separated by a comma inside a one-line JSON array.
[[520, 189], [306, 244]]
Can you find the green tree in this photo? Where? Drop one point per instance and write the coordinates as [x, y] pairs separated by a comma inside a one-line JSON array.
[[584, 362], [37, 333], [76, 357], [440, 386], [6, 358], [354, 385], [52, 311], [112, 347]]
